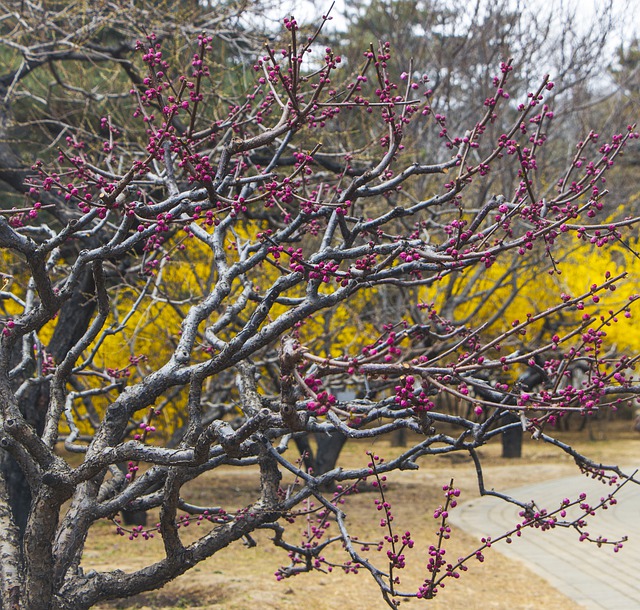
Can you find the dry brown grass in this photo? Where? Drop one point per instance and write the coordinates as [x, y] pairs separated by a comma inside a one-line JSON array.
[[241, 577]]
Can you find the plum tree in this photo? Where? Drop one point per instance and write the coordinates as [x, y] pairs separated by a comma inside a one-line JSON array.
[[240, 227]]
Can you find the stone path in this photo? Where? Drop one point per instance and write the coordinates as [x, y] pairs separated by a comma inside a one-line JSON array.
[[595, 578]]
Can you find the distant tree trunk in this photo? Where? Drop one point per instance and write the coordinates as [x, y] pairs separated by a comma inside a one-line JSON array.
[[17, 488], [134, 517], [512, 438], [399, 438], [329, 447], [73, 320], [326, 456]]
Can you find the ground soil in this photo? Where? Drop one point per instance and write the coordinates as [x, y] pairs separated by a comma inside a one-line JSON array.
[[241, 577]]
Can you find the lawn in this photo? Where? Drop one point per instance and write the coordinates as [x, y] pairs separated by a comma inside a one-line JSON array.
[[243, 577]]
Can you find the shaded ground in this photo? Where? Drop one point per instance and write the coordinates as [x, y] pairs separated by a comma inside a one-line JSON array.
[[242, 577]]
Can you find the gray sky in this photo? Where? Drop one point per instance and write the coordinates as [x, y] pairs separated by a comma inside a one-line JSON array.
[[628, 12]]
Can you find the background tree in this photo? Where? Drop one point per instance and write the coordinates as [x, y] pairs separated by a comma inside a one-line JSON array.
[[204, 229]]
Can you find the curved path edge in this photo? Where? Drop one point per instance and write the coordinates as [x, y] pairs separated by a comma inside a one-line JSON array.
[[595, 578]]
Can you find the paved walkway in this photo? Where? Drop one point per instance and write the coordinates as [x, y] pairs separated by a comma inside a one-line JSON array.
[[594, 578]]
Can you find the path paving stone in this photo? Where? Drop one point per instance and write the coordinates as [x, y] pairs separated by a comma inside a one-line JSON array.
[[596, 578]]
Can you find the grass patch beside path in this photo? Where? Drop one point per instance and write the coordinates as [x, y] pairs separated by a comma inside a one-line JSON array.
[[240, 577]]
